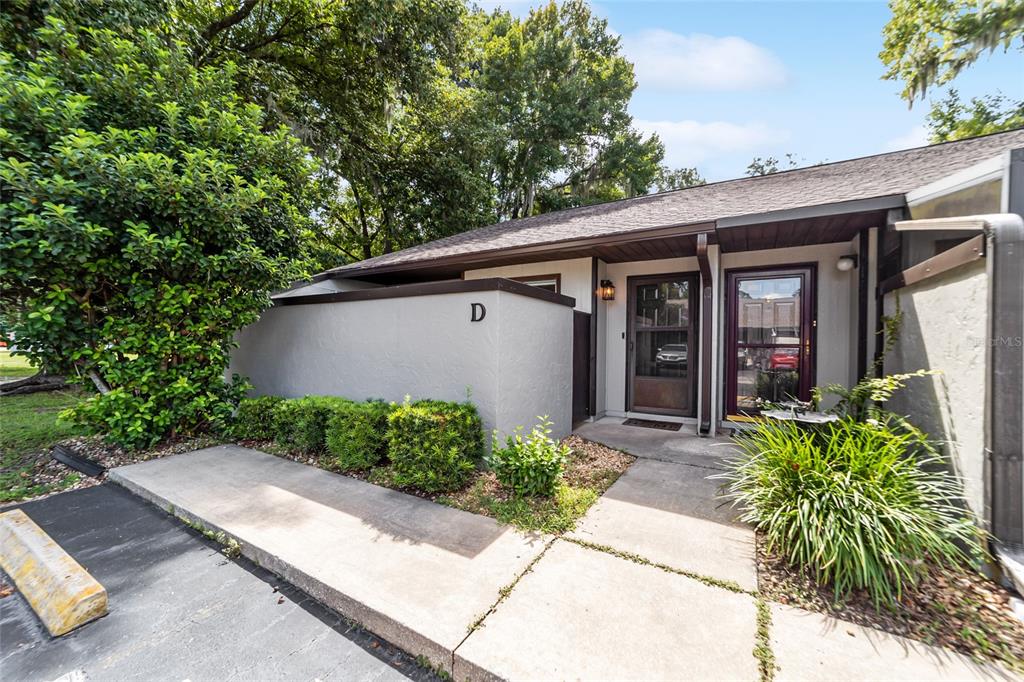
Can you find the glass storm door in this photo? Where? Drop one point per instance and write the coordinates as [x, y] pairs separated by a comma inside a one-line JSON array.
[[770, 350], [662, 349]]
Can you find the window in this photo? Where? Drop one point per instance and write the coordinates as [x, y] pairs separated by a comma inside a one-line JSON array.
[[549, 282]]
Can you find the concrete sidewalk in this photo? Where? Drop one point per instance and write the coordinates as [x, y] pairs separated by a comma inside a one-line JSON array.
[[655, 584], [416, 573]]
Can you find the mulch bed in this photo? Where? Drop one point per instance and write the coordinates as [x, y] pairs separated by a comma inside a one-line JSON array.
[[48, 471], [591, 465], [963, 611]]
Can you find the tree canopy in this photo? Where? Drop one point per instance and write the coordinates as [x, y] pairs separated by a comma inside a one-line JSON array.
[[929, 43], [147, 213]]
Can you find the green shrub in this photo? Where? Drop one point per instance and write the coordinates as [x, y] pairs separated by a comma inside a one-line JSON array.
[[434, 445], [302, 422], [532, 465], [254, 419], [862, 505], [356, 434]]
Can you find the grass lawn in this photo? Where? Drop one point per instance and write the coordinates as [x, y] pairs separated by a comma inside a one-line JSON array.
[[14, 366], [28, 427]]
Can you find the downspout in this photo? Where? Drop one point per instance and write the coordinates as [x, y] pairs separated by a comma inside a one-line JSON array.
[[706, 315], [592, 388]]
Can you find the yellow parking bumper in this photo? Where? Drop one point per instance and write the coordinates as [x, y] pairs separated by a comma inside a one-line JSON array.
[[61, 592]]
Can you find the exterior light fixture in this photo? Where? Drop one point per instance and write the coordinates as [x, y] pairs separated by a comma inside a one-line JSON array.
[[607, 290], [846, 263]]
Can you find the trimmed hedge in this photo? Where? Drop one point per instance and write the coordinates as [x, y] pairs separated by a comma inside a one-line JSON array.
[[254, 419], [355, 435], [302, 422], [434, 445]]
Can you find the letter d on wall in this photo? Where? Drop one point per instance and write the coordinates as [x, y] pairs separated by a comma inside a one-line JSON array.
[[477, 312]]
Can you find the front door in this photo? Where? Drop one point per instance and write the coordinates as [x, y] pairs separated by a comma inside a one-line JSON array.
[[662, 349], [770, 338]]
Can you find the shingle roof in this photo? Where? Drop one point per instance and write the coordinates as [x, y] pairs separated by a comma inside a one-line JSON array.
[[863, 178]]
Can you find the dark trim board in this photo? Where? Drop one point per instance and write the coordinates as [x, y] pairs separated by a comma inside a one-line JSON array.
[[706, 311], [968, 252], [455, 286]]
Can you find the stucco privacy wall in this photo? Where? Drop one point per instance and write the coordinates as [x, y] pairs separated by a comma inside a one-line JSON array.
[[944, 328], [575, 273], [514, 364]]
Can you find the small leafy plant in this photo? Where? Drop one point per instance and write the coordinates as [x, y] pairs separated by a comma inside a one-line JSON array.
[[529, 466], [861, 504]]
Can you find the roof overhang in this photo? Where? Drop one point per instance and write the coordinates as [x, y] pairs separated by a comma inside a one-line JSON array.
[[801, 226]]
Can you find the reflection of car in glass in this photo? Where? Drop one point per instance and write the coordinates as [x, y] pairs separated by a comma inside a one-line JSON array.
[[672, 354], [784, 358]]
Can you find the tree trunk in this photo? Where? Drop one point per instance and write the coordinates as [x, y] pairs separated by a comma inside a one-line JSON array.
[[33, 384]]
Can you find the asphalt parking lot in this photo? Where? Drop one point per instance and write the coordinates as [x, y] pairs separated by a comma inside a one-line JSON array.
[[180, 609]]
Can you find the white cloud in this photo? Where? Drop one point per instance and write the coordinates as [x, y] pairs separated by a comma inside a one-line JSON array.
[[915, 137], [689, 143], [671, 61]]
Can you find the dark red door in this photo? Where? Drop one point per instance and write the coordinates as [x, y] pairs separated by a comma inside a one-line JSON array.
[[770, 337]]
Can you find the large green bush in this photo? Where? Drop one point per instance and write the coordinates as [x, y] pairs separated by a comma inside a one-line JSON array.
[[356, 435], [532, 465], [146, 214], [434, 445], [302, 422], [861, 504], [254, 419]]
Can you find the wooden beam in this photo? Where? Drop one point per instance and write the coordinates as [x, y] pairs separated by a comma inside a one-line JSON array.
[[961, 254]]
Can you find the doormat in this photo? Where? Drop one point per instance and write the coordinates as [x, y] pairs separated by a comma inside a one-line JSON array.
[[651, 424]]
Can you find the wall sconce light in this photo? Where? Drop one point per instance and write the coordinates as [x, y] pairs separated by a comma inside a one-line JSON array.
[[846, 263], [607, 290]]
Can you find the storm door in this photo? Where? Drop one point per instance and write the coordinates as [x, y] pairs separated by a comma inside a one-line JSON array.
[[662, 344], [770, 338]]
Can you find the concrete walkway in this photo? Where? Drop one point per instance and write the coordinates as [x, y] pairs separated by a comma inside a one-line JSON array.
[[657, 582], [667, 508], [411, 571]]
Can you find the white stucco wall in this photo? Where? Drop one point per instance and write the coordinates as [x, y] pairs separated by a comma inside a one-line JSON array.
[[515, 363], [575, 274], [944, 328]]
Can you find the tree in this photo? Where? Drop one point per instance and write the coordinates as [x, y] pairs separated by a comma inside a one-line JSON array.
[[929, 43], [147, 213], [556, 87], [680, 178], [770, 164], [952, 119]]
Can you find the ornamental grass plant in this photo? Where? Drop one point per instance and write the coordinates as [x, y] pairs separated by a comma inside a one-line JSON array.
[[859, 504]]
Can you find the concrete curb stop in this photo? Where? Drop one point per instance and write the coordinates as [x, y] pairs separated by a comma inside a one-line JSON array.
[[58, 589]]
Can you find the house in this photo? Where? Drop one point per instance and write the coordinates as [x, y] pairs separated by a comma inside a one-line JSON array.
[[693, 305]]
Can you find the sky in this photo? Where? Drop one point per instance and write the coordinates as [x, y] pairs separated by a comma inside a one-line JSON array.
[[723, 82]]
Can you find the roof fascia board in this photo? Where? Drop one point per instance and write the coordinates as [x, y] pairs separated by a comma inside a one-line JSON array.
[[820, 211], [991, 169], [455, 286], [676, 230]]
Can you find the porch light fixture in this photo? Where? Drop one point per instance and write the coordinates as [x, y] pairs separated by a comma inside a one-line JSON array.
[[846, 263], [607, 290]]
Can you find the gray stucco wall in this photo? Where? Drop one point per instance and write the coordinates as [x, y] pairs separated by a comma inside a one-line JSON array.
[[944, 328], [514, 364]]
